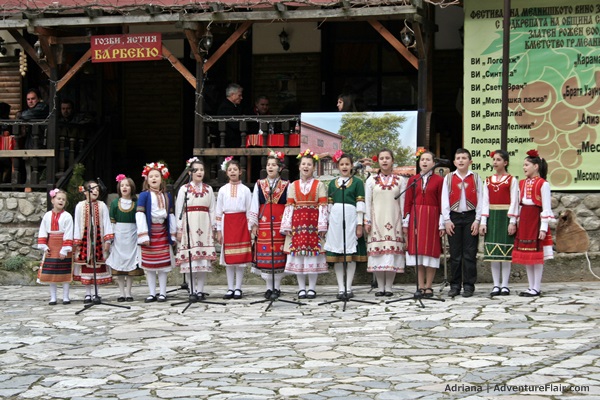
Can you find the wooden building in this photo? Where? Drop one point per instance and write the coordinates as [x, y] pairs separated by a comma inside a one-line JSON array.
[[302, 54]]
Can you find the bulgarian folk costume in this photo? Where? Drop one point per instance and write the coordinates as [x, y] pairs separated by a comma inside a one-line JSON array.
[[346, 208], [124, 255], [385, 243], [426, 211], [500, 208], [233, 221], [534, 215], [268, 204], [90, 244], [56, 238], [200, 214], [156, 226]]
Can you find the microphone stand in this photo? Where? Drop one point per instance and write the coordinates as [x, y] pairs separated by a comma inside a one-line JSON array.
[[192, 297], [274, 296], [184, 285], [417, 296], [96, 300], [345, 298]]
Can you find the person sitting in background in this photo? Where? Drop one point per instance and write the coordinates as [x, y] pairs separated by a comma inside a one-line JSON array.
[[36, 109], [232, 106]]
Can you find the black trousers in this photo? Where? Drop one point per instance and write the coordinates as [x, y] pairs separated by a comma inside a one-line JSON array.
[[463, 251]]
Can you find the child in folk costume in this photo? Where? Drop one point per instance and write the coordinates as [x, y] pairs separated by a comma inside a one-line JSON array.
[[462, 195], [55, 239], [346, 198], [499, 221], [85, 256], [124, 255], [156, 226], [199, 212], [233, 228], [266, 211], [423, 219], [533, 241], [305, 224], [384, 200]]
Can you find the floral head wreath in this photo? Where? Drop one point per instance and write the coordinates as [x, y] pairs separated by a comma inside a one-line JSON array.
[[492, 154], [120, 177], [226, 163], [533, 153], [278, 154], [53, 193], [419, 153], [190, 161], [160, 167], [308, 153], [337, 156]]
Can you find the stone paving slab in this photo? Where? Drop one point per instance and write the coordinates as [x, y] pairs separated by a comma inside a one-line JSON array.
[[507, 347]]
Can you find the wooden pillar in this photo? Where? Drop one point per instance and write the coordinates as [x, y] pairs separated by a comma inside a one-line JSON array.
[[51, 139]]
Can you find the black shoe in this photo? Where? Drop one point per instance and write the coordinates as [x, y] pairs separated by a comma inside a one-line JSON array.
[[428, 293], [87, 299], [121, 299], [276, 293], [467, 293], [150, 299], [388, 294], [65, 302], [454, 292], [311, 294], [268, 294], [201, 296], [161, 298], [419, 293], [504, 291], [52, 303], [529, 293], [128, 298], [495, 291], [237, 294], [379, 294], [340, 295], [301, 294], [228, 295]]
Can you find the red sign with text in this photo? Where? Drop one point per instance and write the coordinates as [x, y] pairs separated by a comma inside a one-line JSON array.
[[130, 47]]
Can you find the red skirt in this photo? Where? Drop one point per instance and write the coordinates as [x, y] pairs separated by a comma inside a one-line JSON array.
[[53, 269], [428, 232], [157, 255], [528, 249], [270, 255], [237, 248]]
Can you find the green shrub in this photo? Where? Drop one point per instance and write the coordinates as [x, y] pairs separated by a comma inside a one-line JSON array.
[[14, 263]]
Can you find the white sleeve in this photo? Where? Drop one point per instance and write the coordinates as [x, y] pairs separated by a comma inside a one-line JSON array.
[[446, 199], [43, 233], [142, 227], [254, 206], [179, 202], [219, 210], [368, 199], [485, 207], [78, 222], [479, 185], [68, 234], [106, 224], [547, 214], [513, 210]]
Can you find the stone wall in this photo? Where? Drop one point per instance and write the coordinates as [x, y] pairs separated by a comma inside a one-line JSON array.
[[20, 217], [21, 213]]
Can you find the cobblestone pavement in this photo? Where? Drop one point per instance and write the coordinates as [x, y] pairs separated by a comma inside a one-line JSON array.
[[477, 348]]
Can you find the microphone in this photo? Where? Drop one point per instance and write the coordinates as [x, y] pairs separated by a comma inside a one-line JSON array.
[[101, 185], [357, 166]]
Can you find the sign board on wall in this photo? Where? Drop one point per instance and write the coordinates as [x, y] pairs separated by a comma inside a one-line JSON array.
[[554, 97], [129, 47]]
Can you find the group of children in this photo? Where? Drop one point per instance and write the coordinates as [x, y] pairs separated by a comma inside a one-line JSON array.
[[303, 227]]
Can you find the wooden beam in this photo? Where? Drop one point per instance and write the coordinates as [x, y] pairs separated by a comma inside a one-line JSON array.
[[70, 73], [179, 66], [419, 41], [242, 151], [391, 39], [27, 153], [45, 45], [225, 46], [70, 39], [192, 38], [29, 50], [302, 14]]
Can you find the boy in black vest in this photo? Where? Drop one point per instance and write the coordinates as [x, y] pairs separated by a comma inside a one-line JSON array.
[[461, 209]]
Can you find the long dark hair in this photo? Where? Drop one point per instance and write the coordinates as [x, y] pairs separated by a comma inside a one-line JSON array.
[[542, 165], [504, 155]]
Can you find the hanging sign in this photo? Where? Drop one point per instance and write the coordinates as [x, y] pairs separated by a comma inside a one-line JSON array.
[[129, 47]]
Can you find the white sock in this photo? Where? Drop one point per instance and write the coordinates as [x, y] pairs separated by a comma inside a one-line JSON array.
[[53, 292], [230, 271], [239, 277], [121, 283], [66, 291], [301, 281], [278, 278], [496, 266], [268, 281], [312, 281], [162, 282], [538, 270], [530, 275], [339, 274], [505, 273], [88, 290], [389, 280], [151, 278], [351, 269], [129, 283], [380, 277], [200, 278]]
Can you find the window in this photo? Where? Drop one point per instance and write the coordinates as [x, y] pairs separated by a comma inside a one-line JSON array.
[[320, 142]]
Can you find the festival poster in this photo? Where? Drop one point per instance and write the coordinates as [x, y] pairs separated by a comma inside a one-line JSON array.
[[554, 97]]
